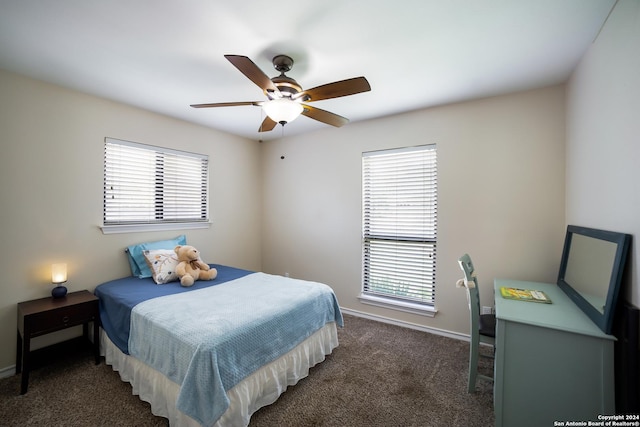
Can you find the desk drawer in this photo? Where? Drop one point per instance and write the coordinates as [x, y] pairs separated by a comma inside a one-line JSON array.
[[60, 318]]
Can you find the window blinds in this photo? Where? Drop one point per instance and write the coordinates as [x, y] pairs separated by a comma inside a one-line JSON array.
[[144, 184], [399, 223]]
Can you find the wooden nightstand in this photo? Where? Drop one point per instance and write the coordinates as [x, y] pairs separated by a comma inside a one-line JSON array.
[[46, 315]]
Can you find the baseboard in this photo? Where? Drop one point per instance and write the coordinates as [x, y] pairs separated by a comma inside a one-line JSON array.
[[402, 323], [7, 372]]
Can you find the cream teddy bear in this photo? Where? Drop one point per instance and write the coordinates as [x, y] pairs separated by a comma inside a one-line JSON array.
[[190, 267]]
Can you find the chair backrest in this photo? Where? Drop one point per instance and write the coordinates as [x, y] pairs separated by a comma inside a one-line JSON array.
[[471, 283], [467, 268]]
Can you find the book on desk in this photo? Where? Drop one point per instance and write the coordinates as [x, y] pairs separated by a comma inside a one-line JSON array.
[[529, 295]]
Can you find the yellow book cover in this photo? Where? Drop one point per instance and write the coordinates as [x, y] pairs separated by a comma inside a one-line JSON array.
[[524, 295]]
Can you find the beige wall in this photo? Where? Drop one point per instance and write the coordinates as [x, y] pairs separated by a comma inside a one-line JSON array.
[[501, 180], [51, 192], [501, 173], [603, 135], [501, 169]]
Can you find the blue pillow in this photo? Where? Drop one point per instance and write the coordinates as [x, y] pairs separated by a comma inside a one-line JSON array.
[[137, 262]]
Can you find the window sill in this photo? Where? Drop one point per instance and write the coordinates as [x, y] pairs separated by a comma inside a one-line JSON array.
[[394, 304], [135, 228]]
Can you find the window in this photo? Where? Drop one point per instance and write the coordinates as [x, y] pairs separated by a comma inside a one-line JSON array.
[[147, 187], [399, 205]]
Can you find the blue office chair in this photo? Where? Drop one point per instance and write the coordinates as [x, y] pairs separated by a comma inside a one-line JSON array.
[[483, 326]]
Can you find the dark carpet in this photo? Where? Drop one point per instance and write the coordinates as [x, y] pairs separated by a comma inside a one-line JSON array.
[[380, 375]]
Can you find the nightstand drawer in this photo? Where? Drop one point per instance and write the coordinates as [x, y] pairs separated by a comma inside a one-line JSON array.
[[61, 318]]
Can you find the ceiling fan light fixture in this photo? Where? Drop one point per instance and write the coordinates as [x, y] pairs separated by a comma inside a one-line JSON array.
[[282, 110]]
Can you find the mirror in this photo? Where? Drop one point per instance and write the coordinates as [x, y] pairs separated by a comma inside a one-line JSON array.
[[591, 271]]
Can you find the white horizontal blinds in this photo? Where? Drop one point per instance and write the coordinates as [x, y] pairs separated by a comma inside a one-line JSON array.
[[399, 223], [145, 184], [184, 188]]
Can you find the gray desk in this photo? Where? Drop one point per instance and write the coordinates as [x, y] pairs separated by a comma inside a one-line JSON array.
[[552, 362]]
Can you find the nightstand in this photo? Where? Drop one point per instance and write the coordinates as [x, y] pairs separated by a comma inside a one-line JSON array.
[[43, 316]]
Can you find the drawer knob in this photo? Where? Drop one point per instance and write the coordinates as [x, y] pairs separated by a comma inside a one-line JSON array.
[[65, 319]]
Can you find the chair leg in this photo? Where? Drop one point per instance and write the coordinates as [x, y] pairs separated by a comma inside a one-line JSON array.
[[473, 365], [474, 359]]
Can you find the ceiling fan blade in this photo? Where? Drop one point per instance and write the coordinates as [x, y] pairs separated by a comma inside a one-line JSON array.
[[267, 125], [253, 72], [335, 89], [324, 116], [226, 104]]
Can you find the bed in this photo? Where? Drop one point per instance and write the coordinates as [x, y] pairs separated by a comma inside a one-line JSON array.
[[216, 352]]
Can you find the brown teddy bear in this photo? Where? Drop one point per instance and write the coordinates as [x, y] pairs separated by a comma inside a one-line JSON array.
[[190, 267]]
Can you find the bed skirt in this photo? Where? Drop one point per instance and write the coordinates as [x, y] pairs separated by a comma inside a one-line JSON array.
[[259, 389]]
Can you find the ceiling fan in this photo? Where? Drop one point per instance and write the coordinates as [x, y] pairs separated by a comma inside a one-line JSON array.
[[285, 95]]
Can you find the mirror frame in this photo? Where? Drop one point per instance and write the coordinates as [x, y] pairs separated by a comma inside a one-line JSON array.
[[603, 320]]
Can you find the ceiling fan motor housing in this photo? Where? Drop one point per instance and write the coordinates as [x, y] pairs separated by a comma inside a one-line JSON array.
[[286, 85]]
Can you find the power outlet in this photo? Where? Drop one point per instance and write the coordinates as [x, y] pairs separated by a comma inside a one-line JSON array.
[[486, 310]]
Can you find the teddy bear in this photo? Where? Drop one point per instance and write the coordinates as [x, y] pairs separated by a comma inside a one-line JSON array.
[[191, 267]]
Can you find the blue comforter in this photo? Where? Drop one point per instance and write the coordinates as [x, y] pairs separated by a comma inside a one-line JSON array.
[[210, 338], [118, 297]]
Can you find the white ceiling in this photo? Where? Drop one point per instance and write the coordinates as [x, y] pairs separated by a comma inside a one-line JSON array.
[[165, 55]]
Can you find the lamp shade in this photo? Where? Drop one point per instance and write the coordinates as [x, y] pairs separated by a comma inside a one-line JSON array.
[[282, 110], [58, 273]]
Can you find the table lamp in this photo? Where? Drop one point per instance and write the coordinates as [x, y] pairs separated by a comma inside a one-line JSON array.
[[58, 277]]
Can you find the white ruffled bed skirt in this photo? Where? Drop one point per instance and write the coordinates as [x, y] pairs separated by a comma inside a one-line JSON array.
[[259, 389]]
